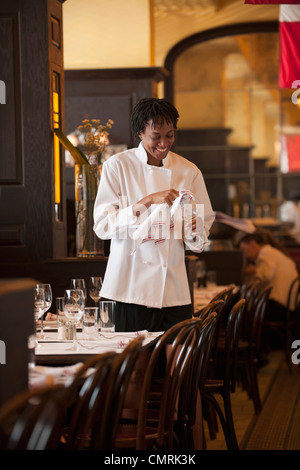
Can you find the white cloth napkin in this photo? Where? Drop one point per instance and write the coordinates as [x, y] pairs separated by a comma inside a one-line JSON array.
[[44, 375], [162, 219], [113, 340]]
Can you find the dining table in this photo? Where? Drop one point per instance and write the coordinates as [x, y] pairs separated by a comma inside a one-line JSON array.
[[54, 351], [56, 362], [51, 350], [203, 295]]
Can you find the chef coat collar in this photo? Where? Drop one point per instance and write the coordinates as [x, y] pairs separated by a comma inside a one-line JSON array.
[[142, 155]]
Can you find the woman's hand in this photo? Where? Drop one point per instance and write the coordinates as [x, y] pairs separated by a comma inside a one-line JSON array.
[[168, 196]]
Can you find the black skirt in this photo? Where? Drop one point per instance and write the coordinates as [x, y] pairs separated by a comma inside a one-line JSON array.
[[132, 317]]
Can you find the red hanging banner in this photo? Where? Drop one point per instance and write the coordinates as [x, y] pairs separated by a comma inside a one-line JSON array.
[[291, 145], [273, 2], [289, 30]]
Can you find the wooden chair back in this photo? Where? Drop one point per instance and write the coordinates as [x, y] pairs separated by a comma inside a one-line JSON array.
[[181, 340], [98, 408], [193, 385], [32, 420]]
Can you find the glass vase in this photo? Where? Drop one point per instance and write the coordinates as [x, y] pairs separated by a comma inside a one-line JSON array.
[[87, 179]]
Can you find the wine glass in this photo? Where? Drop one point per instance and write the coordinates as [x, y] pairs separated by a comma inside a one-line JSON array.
[[79, 284], [39, 305], [95, 284], [48, 303], [74, 309]]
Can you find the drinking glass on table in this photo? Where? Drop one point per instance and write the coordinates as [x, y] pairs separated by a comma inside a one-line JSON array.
[[74, 309], [48, 302], [64, 327], [107, 315], [39, 306], [90, 323], [79, 284], [95, 284]]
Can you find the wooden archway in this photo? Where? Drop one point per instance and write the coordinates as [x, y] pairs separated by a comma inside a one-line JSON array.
[[214, 33]]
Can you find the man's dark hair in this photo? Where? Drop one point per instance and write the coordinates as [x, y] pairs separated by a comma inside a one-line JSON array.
[[263, 237], [153, 110], [257, 237]]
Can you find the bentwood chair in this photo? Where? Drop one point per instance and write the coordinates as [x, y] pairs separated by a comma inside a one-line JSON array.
[[221, 378], [249, 346], [98, 407], [221, 304], [154, 425], [91, 377], [212, 306], [32, 420], [223, 294], [229, 296], [189, 403], [105, 423], [248, 289], [290, 322], [221, 297]]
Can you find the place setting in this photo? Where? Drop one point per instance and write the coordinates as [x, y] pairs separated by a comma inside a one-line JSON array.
[[76, 329]]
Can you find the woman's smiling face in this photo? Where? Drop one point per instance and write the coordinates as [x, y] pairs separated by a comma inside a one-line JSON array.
[[157, 141]]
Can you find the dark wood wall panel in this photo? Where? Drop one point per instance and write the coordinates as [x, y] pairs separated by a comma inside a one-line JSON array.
[[101, 107], [12, 234], [108, 94], [28, 229], [10, 112]]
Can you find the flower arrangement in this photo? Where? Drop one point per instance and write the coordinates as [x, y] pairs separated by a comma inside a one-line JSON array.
[[93, 136], [92, 139]]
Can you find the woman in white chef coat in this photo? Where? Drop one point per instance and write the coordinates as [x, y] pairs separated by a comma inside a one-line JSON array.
[[148, 279]]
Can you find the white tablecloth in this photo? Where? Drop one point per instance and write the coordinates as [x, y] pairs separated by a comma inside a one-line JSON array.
[[41, 375], [203, 295], [109, 341]]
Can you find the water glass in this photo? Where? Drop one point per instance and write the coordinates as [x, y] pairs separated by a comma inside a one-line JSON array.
[[74, 309], [107, 315], [90, 323], [79, 284], [95, 284], [64, 327], [48, 302]]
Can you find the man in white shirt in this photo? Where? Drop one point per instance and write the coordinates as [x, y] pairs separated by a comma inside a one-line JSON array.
[[148, 280], [271, 266]]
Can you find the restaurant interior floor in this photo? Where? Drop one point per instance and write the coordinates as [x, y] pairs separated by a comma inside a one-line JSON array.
[[277, 427]]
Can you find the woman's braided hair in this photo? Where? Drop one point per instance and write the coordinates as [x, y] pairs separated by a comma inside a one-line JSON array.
[[153, 110]]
